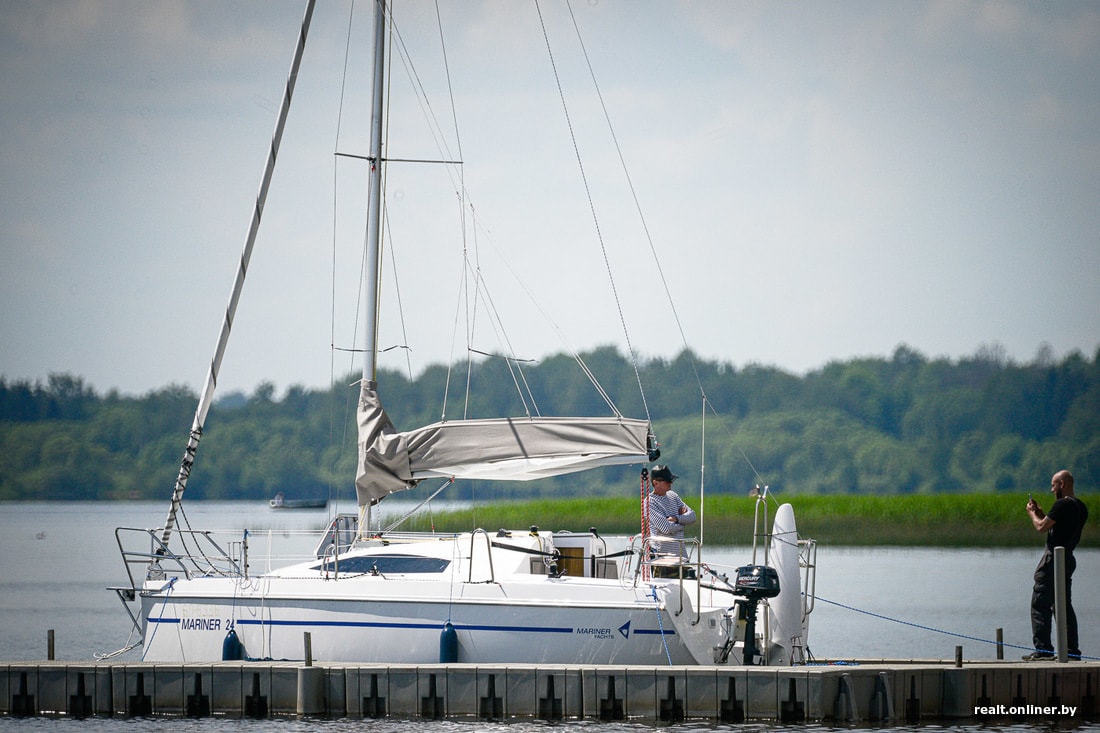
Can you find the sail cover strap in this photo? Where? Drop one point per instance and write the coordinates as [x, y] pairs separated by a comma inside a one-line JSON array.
[[505, 449]]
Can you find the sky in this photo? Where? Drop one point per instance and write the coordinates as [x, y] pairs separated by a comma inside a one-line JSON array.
[[772, 183]]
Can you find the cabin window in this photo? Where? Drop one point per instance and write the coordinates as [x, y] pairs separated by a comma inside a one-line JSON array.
[[385, 564]]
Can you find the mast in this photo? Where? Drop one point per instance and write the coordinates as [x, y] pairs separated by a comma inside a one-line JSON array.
[[207, 396], [374, 193], [373, 260], [501, 449]]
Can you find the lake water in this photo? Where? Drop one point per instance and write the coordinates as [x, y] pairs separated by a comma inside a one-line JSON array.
[[59, 558]]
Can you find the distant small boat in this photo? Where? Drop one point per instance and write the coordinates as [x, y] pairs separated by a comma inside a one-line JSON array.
[[281, 502]]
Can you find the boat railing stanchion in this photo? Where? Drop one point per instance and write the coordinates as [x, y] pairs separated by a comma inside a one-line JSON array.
[[489, 554], [807, 560], [698, 567], [694, 566], [680, 585], [639, 558], [331, 551], [760, 493]]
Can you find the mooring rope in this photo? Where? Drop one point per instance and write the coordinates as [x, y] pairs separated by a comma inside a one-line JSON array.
[[934, 629]]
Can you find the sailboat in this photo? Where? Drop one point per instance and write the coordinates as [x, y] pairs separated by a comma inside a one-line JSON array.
[[514, 595]]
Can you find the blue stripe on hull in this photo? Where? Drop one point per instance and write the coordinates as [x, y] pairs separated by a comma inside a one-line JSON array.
[[394, 625]]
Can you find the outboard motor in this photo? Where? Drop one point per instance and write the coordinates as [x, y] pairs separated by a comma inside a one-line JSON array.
[[754, 583]]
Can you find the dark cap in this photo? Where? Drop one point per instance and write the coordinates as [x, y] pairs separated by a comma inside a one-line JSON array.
[[663, 473]]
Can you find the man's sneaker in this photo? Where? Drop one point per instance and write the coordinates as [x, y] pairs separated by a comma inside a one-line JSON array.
[[1038, 656]]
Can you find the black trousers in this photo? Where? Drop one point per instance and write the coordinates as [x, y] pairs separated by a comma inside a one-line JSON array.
[[1042, 605]]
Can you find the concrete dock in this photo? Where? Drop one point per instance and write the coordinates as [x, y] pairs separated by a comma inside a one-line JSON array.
[[842, 693]]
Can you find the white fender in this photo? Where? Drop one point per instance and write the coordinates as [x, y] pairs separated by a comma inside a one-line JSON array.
[[785, 610]]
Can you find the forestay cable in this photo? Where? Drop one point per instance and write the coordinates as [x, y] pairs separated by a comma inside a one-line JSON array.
[[207, 397]]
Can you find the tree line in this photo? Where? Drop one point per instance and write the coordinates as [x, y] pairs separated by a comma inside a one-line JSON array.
[[898, 425]]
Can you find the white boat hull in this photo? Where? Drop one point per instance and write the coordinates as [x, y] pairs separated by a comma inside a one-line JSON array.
[[496, 623], [518, 616]]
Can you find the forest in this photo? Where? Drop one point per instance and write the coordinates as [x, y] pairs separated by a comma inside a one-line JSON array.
[[907, 424]]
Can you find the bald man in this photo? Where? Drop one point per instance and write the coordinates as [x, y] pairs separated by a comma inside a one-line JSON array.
[[1063, 525]]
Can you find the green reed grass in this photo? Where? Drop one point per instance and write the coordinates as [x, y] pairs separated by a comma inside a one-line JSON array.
[[944, 520]]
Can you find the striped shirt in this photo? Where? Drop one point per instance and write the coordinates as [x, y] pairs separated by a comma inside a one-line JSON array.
[[660, 509]]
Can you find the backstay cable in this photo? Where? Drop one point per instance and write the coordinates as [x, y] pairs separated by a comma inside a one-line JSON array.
[[592, 207]]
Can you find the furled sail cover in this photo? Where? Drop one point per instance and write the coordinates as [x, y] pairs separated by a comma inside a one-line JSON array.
[[512, 449]]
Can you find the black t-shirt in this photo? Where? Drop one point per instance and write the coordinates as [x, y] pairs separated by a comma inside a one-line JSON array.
[[1069, 514]]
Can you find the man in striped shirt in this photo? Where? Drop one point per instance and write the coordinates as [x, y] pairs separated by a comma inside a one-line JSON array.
[[667, 516]]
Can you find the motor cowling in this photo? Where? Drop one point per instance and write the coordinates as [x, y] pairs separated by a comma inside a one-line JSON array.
[[756, 582]]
